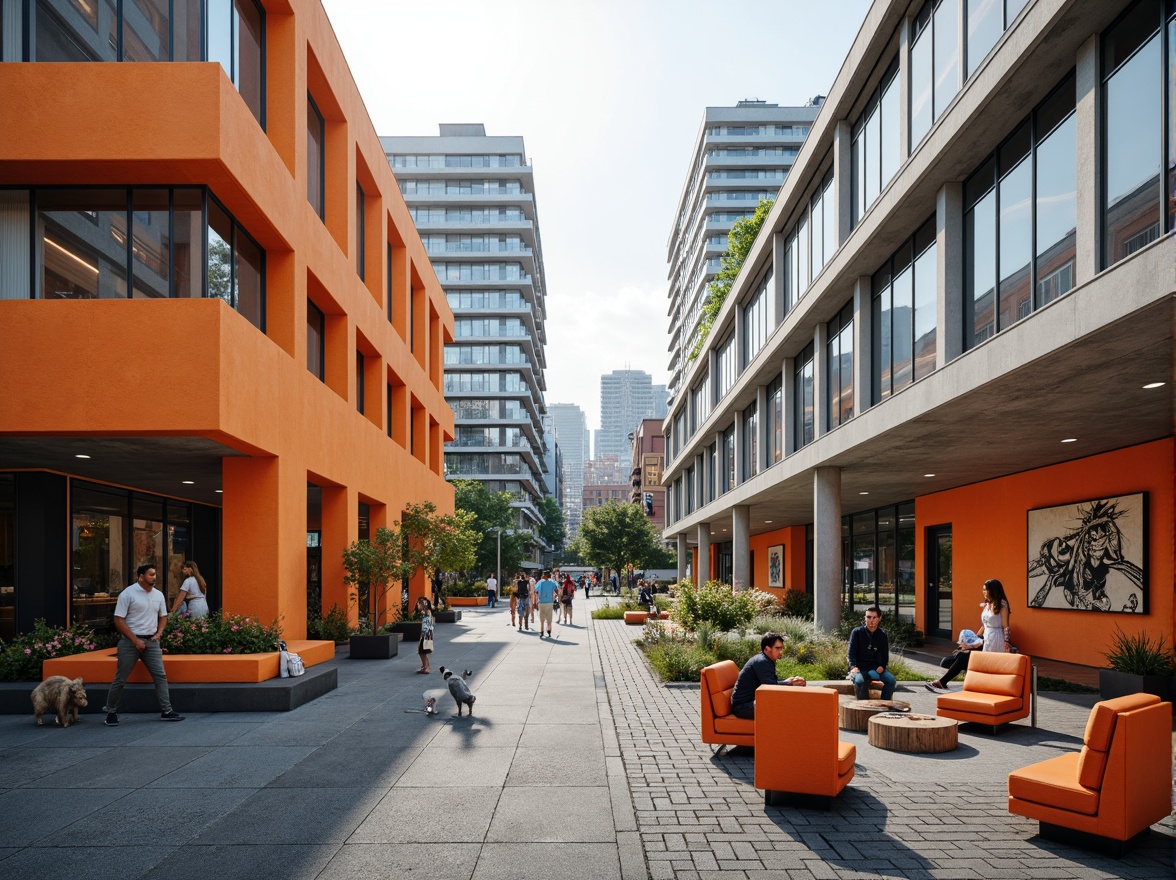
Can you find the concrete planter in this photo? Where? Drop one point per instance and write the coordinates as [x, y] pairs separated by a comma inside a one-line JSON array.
[[447, 616], [378, 647], [410, 630], [1112, 683], [466, 601]]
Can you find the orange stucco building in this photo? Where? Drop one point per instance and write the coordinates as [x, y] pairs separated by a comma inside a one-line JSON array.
[[223, 339]]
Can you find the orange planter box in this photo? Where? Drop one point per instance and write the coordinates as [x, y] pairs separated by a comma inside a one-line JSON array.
[[100, 666], [466, 601]]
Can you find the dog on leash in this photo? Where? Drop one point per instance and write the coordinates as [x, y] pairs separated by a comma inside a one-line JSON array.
[[458, 689], [63, 695]]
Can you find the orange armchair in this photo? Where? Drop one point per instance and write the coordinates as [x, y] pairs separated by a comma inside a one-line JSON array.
[[996, 690], [719, 726], [1108, 794], [797, 751]]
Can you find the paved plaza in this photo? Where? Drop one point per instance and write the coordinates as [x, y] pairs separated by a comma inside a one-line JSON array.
[[577, 763]]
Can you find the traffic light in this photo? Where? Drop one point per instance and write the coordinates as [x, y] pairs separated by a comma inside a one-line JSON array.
[[649, 504]]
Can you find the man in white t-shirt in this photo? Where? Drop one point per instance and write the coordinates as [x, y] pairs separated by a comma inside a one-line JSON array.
[[139, 616], [492, 590]]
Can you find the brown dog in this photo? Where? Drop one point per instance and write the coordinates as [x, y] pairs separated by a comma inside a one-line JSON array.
[[63, 695]]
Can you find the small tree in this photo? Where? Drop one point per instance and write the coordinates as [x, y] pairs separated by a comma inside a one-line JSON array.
[[492, 512], [437, 542], [376, 562], [616, 535], [552, 530]]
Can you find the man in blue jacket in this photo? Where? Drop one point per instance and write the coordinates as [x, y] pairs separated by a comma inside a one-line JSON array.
[[869, 655]]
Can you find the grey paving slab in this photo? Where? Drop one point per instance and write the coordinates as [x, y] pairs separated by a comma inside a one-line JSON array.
[[457, 768], [550, 734], [288, 732], [543, 861], [450, 861], [112, 770], [89, 862], [235, 767], [271, 861], [430, 815], [558, 766], [480, 733], [24, 764], [197, 731], [33, 813], [344, 763], [545, 814], [277, 816]]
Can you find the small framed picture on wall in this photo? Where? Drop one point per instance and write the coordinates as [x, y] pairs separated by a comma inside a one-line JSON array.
[[776, 566]]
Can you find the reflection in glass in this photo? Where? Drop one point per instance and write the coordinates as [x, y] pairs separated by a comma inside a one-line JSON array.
[[1132, 132], [902, 320], [921, 73], [315, 141], [220, 263], [186, 30], [882, 311], [750, 442], [888, 136], [188, 242], [150, 243], [220, 33], [83, 238], [803, 395], [315, 339], [248, 62], [1057, 216], [775, 422], [1015, 245], [980, 266], [145, 30], [947, 54], [985, 25], [75, 31], [248, 275]]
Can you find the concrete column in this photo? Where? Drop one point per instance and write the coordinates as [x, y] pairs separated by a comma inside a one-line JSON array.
[[949, 273], [704, 574], [778, 270], [789, 405], [827, 547], [741, 547], [761, 428], [683, 555], [904, 88], [843, 181], [863, 341], [820, 381], [1088, 116]]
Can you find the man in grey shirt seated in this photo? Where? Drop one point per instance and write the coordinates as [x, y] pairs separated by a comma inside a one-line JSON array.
[[140, 616], [760, 669]]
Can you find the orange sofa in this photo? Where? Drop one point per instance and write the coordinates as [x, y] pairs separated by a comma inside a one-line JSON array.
[[719, 726], [996, 690], [797, 751], [1108, 794]]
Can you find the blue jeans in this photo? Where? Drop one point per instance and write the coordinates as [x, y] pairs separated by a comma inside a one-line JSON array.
[[491, 598], [861, 686], [128, 656]]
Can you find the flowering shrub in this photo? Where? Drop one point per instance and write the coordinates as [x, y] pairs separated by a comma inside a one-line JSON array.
[[219, 634], [718, 604], [21, 659]]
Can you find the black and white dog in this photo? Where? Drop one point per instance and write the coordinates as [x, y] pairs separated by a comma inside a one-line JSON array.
[[458, 689]]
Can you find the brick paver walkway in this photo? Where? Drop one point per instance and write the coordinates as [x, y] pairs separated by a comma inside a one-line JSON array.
[[911, 816]]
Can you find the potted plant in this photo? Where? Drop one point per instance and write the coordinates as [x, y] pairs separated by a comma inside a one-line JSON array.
[[376, 562], [409, 624], [1139, 664]]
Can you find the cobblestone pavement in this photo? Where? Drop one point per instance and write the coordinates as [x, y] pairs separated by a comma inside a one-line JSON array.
[[911, 816]]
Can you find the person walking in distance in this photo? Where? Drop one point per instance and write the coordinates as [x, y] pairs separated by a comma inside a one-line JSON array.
[[491, 590], [140, 616], [523, 594], [545, 592]]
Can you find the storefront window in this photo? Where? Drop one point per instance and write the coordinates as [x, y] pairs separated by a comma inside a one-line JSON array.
[[7, 557], [98, 555], [879, 553]]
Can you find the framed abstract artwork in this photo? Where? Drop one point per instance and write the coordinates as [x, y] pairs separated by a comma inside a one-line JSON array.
[[1090, 555], [776, 566]]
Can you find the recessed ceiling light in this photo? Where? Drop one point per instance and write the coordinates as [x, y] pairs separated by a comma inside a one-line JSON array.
[[863, 493], [188, 483], [1070, 440], [928, 475], [1151, 385], [767, 522], [220, 491], [79, 455]]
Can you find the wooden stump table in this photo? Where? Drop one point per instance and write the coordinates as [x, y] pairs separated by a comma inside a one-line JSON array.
[[856, 714], [922, 734]]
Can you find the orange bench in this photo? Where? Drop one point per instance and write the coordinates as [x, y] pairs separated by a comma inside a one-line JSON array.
[[797, 750], [996, 690], [719, 726], [100, 666], [1108, 794]]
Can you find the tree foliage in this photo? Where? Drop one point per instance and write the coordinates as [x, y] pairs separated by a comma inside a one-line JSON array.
[[616, 535], [437, 542], [491, 511], [739, 241], [370, 566], [552, 531]]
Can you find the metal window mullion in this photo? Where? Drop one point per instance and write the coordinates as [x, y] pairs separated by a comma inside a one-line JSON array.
[[171, 53], [171, 242], [130, 219], [204, 242], [232, 261], [1034, 305], [118, 28], [32, 243]]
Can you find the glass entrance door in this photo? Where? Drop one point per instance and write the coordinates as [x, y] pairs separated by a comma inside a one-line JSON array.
[[939, 581]]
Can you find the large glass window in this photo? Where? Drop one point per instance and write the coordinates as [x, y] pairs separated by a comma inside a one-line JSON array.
[[879, 560], [802, 378], [7, 557], [316, 139], [935, 64], [1132, 95], [728, 462], [839, 364], [750, 442], [755, 320], [233, 32], [904, 313], [1020, 218], [775, 425], [726, 367], [360, 233], [700, 403], [875, 147]]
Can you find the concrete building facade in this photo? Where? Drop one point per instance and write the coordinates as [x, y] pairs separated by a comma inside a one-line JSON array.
[[472, 197], [571, 432], [948, 355], [742, 154], [222, 335], [648, 463], [626, 397]]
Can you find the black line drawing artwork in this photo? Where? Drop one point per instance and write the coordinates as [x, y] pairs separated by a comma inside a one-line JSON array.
[[776, 565], [1090, 555]]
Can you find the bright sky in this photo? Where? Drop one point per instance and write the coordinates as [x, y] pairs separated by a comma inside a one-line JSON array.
[[609, 97]]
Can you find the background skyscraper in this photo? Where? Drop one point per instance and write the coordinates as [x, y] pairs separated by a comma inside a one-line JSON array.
[[571, 431], [473, 200], [742, 155], [626, 397]]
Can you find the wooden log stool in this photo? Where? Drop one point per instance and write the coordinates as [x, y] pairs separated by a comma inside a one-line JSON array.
[[856, 714], [921, 734]]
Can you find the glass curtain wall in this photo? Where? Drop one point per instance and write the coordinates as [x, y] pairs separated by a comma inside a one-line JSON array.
[[875, 150], [229, 32], [728, 462], [7, 557], [904, 313], [804, 416], [839, 366], [775, 421], [810, 244], [934, 64], [1020, 220], [878, 553], [755, 320], [750, 442]]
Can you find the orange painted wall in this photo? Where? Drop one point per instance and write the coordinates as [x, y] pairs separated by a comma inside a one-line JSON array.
[[206, 371], [792, 538], [989, 540]]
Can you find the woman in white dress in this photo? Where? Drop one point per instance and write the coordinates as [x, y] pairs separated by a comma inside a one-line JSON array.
[[193, 590], [994, 623]]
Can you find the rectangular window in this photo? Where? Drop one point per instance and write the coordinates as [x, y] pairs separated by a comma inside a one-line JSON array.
[[875, 145], [947, 53], [316, 338], [726, 368], [905, 310], [360, 233], [921, 75], [985, 25], [316, 140], [711, 468], [775, 424], [1132, 131], [750, 442], [755, 320], [728, 459], [802, 378], [839, 366], [359, 381], [388, 407], [1020, 220]]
